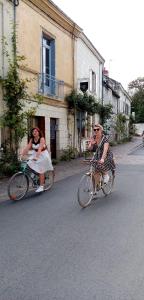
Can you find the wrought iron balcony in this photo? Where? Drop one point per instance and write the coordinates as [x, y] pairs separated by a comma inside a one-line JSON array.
[[50, 86]]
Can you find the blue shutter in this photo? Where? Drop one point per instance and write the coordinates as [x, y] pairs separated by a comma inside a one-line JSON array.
[[53, 85]]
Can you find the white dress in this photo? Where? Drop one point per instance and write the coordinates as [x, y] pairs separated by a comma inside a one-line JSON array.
[[43, 163]]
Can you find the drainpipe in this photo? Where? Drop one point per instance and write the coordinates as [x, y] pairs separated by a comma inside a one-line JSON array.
[[102, 97], [15, 4], [73, 57]]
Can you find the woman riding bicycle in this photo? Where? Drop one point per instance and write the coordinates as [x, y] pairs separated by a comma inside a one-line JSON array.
[[103, 156], [39, 160]]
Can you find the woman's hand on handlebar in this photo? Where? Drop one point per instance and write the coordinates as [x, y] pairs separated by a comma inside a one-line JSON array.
[[101, 161]]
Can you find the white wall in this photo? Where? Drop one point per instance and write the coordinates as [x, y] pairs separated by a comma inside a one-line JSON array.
[[139, 128], [6, 21], [87, 61], [124, 100]]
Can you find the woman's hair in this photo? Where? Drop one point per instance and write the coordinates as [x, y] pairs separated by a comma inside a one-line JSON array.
[[100, 126], [40, 132]]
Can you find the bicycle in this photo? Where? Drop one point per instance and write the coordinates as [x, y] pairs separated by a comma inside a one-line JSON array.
[[87, 189], [19, 183]]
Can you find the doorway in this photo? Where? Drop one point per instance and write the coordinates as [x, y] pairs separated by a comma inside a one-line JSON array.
[[53, 142]]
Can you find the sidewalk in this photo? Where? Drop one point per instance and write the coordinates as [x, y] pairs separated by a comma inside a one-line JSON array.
[[75, 166]]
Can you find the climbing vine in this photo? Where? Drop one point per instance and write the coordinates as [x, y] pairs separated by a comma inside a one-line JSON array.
[[17, 102], [88, 103]]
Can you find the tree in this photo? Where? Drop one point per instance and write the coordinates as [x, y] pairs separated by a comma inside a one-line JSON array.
[[120, 126], [137, 88]]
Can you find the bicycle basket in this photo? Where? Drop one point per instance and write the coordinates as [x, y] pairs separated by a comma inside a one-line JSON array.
[[23, 165]]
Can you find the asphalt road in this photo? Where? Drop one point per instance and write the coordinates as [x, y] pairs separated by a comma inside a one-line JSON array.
[[51, 249]]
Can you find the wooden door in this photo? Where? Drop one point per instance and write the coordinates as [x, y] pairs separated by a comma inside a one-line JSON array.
[[53, 137]]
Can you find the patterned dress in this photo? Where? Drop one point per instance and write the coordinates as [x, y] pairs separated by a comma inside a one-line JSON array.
[[109, 163]]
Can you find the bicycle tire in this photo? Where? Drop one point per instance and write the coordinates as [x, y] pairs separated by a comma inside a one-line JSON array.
[[18, 186], [49, 180], [108, 187], [85, 190]]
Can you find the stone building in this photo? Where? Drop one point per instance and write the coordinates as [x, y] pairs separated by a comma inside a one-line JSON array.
[[46, 37], [118, 97], [6, 21]]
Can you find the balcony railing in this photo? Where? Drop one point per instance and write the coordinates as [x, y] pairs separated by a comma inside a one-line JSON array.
[[50, 86]]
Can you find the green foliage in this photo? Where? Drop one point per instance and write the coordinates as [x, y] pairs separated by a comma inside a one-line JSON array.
[[120, 125], [15, 97], [137, 86], [138, 106], [82, 102], [132, 128], [105, 112], [8, 164], [68, 154], [87, 154], [88, 103]]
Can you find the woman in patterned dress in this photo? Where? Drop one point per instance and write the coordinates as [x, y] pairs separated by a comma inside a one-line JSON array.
[[39, 160], [103, 157]]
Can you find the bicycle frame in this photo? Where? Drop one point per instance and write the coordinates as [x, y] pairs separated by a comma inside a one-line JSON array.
[[88, 187], [25, 169]]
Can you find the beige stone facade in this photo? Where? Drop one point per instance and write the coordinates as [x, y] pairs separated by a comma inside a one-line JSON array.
[[45, 36], [6, 20]]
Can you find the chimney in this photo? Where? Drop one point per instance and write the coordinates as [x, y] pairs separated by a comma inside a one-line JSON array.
[[105, 72]]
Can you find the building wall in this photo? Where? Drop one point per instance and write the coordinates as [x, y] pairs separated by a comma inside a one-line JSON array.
[[139, 128], [87, 61], [6, 20], [110, 98], [31, 24]]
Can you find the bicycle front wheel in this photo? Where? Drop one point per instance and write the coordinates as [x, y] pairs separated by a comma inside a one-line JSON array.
[[107, 187], [18, 186], [85, 190], [49, 180]]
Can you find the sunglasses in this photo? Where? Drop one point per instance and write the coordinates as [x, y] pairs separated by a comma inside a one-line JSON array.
[[96, 129]]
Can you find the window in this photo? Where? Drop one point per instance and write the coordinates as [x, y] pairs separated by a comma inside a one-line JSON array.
[[48, 64], [84, 86], [92, 81], [126, 109]]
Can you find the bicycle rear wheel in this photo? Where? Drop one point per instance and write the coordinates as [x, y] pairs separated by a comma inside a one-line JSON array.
[[18, 186], [49, 180], [107, 187], [85, 190]]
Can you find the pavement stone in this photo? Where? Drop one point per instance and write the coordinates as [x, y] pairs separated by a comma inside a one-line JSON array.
[[123, 154]]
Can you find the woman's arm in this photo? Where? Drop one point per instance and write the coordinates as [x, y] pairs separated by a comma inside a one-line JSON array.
[[27, 148], [105, 150], [91, 144], [41, 146]]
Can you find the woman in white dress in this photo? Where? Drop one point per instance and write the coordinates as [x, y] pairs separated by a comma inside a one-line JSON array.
[[40, 160]]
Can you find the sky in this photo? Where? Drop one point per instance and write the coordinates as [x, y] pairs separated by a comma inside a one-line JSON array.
[[116, 29]]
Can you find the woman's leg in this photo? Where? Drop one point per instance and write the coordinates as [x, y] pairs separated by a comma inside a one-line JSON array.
[[97, 179], [42, 179]]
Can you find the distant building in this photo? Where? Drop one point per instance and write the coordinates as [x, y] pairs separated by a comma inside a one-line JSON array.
[[88, 78], [115, 94]]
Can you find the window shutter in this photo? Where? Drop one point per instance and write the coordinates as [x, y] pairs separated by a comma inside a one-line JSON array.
[[53, 83], [52, 57]]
